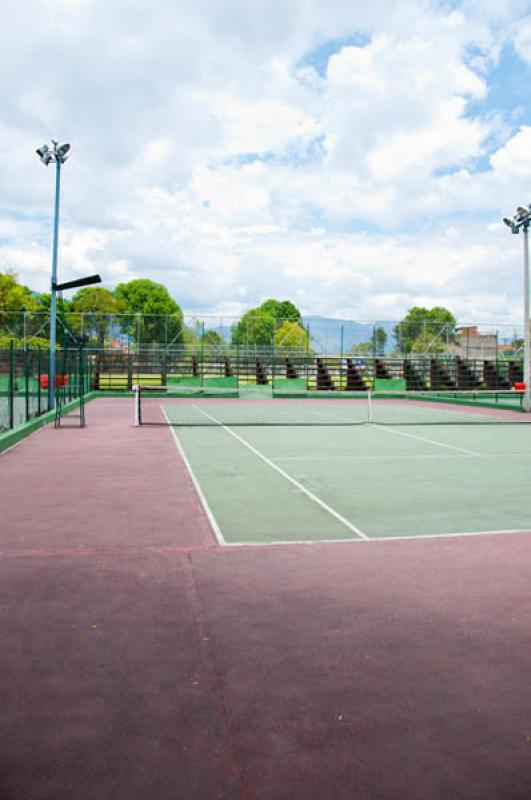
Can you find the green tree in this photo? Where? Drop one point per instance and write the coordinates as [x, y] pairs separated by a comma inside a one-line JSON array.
[[14, 298], [98, 304], [256, 327], [375, 346], [153, 316], [281, 309], [419, 323], [291, 336], [380, 340], [212, 341], [362, 349], [428, 342]]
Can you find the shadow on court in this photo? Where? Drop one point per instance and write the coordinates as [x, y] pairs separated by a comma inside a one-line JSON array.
[[140, 661]]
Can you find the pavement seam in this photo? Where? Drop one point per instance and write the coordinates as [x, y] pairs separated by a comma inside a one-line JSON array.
[[207, 651]]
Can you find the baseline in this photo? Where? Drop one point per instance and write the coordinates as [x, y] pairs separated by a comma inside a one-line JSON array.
[[369, 539]]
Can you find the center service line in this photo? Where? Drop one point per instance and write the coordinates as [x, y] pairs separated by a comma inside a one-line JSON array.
[[278, 469]]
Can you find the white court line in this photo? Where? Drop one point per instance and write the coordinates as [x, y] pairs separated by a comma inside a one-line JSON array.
[[409, 435], [284, 474], [387, 458], [206, 508], [368, 458], [424, 439], [373, 539]]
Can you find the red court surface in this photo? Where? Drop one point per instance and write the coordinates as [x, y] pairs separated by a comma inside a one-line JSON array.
[[141, 660]]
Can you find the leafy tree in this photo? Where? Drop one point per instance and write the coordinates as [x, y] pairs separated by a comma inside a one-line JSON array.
[[256, 327], [428, 342], [380, 340], [362, 349], [97, 302], [153, 316], [420, 322], [375, 346], [189, 338], [291, 336], [212, 341], [281, 309], [14, 298]]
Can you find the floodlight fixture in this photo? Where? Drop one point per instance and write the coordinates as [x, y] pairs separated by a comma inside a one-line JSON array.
[[63, 149]]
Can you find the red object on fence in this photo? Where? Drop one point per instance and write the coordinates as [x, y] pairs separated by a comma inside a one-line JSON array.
[[60, 380], [519, 387]]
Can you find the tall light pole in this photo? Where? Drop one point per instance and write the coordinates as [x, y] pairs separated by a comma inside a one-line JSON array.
[[521, 221], [58, 153]]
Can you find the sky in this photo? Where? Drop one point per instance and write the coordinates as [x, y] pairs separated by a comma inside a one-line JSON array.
[[355, 158]]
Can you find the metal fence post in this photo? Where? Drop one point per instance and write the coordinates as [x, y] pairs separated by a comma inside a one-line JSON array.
[[341, 344], [11, 385], [202, 353], [26, 379]]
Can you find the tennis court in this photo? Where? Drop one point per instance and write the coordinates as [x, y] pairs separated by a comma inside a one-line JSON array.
[[144, 659], [307, 470]]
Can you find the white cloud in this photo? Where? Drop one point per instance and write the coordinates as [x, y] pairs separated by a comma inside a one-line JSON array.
[[514, 158], [522, 41], [216, 149]]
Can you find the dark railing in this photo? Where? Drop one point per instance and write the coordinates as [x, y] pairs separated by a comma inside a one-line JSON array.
[[121, 371], [24, 388]]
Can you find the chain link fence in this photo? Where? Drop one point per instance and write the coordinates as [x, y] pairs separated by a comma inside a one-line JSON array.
[[136, 333]]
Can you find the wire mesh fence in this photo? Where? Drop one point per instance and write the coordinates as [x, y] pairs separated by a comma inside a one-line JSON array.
[[24, 385], [255, 334], [311, 353]]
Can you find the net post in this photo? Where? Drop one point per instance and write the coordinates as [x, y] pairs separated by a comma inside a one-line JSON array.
[[138, 418], [81, 385], [38, 380]]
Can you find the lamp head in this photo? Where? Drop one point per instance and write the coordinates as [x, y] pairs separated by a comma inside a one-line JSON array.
[[62, 151]]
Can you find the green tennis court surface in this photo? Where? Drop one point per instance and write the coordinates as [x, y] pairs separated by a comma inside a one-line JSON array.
[[299, 471]]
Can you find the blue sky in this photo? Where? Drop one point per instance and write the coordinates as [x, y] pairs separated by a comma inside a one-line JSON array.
[[357, 161]]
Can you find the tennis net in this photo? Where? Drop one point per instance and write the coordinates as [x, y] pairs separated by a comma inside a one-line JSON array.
[[162, 406]]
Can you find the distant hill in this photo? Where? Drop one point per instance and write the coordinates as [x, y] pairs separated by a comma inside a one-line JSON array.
[[325, 333]]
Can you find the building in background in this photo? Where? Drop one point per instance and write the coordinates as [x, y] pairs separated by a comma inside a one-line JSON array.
[[471, 344]]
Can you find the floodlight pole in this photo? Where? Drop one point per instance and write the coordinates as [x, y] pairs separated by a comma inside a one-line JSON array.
[[56, 154], [53, 304], [527, 353], [521, 221]]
